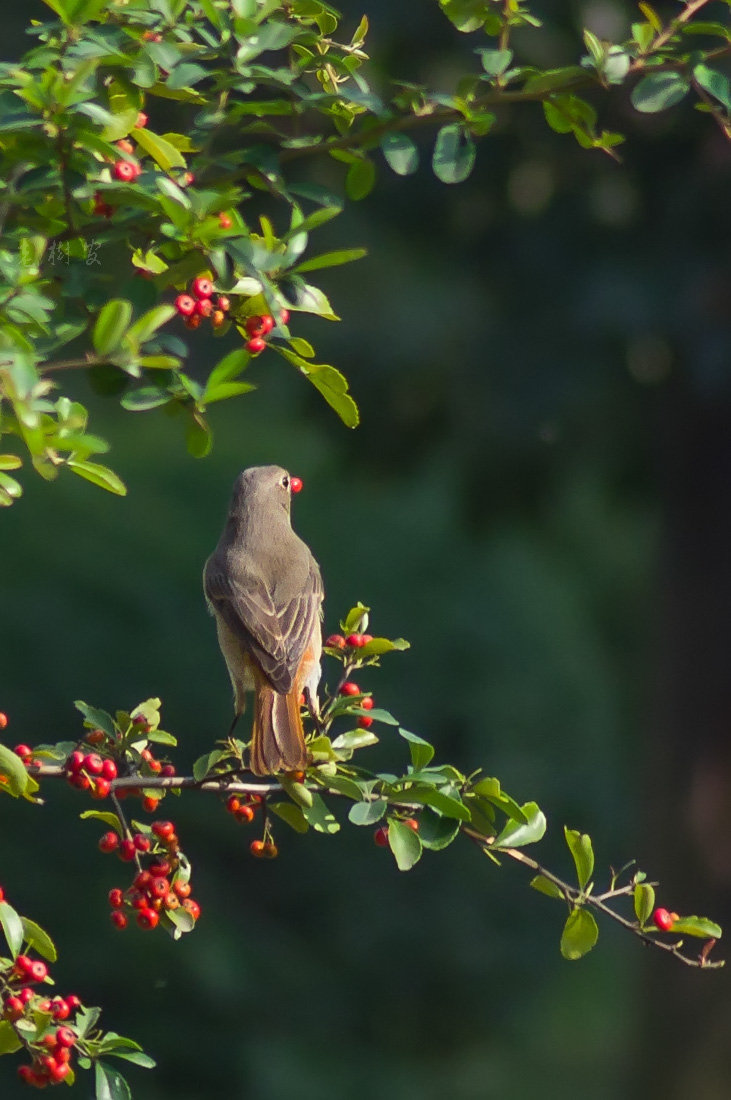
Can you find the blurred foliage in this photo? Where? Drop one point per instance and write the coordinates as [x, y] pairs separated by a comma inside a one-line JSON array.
[[522, 348]]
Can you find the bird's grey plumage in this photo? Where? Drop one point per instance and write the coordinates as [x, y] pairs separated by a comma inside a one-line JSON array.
[[262, 581]]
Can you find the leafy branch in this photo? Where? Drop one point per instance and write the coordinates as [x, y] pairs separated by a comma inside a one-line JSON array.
[[425, 808]]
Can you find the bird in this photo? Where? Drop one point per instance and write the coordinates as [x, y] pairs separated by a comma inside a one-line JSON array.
[[265, 591]]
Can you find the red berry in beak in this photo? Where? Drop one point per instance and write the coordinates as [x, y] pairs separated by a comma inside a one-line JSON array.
[[295, 484]]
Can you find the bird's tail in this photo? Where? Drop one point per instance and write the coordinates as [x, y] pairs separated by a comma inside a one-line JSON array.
[[278, 737]]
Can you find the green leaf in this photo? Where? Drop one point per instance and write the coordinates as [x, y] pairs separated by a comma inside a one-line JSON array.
[[144, 398], [360, 179], [421, 751], [150, 322], [95, 717], [38, 939], [404, 843], [715, 83], [106, 817], [161, 151], [12, 925], [454, 154], [330, 382], [644, 899], [297, 791], [579, 935], [377, 646], [332, 259], [544, 886], [10, 462], [658, 91], [291, 814], [204, 764], [98, 475], [698, 926], [354, 739], [583, 853], [109, 1083], [137, 1057], [367, 813], [401, 153], [320, 817], [495, 62], [489, 788], [111, 325], [435, 831], [14, 769], [227, 369], [446, 804], [198, 437], [9, 1041], [516, 835]]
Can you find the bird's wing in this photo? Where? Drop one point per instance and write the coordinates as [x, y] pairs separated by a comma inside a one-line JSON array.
[[276, 636]]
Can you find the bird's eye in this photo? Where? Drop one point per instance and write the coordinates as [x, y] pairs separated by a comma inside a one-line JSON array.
[[285, 482]]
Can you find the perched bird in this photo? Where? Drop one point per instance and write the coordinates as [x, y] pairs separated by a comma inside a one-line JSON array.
[[264, 588]]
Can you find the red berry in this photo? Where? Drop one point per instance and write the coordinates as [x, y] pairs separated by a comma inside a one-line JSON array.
[[412, 823], [224, 221], [366, 638], [13, 1008], [194, 321], [59, 1072], [233, 804], [109, 842], [270, 850], [142, 117], [182, 889], [93, 764], [245, 813], [125, 171], [255, 345], [365, 721], [204, 306], [380, 836], [192, 906], [116, 898], [162, 867], [73, 1001], [284, 317], [267, 323], [663, 919], [147, 919], [223, 303], [253, 325], [185, 305], [187, 178], [26, 995], [39, 970], [81, 781], [349, 688], [335, 641], [295, 484], [217, 318], [118, 919], [125, 146], [2, 894], [168, 770], [159, 887], [141, 842], [75, 760], [356, 640], [163, 829], [65, 1037], [95, 737], [150, 804], [367, 703], [23, 751], [127, 850], [60, 1009], [109, 769], [3, 720], [202, 287], [257, 848], [101, 788]]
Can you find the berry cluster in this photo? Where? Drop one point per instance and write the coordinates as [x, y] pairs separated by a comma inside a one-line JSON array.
[[199, 304], [157, 889], [258, 326], [89, 772], [243, 808], [353, 641], [50, 1047], [365, 703]]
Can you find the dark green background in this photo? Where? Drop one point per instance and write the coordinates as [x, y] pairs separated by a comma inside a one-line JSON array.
[[538, 498]]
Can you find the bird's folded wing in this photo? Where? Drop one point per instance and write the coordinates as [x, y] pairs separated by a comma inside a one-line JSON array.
[[277, 636]]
